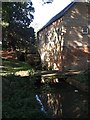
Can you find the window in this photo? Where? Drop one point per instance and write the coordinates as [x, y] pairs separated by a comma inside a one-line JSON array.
[[85, 30]]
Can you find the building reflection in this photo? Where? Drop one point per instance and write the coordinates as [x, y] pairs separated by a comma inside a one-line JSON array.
[[55, 103], [60, 100]]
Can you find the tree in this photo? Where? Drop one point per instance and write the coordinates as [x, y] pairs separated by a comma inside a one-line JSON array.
[[17, 12], [47, 1], [18, 16]]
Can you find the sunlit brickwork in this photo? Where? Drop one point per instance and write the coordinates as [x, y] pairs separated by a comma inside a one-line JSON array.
[[62, 44]]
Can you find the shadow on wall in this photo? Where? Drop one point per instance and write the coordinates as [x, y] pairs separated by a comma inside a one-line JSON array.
[[76, 59]]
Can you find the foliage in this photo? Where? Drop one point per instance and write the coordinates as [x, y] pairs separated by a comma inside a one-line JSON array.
[[19, 93], [47, 1], [19, 98], [17, 12], [17, 34]]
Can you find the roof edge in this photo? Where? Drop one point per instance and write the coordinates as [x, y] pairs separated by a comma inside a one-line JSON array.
[[57, 16]]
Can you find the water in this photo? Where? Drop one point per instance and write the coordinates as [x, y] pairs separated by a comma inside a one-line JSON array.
[[42, 107], [61, 100]]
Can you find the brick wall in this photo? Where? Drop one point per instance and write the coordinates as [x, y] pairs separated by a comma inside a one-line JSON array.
[[62, 44]]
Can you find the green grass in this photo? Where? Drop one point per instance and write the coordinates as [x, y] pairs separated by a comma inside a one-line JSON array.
[[19, 92], [13, 66]]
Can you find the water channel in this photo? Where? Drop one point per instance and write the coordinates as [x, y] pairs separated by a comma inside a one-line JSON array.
[[61, 100]]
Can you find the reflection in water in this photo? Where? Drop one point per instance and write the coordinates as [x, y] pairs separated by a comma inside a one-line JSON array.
[[54, 102], [42, 107], [63, 101], [52, 80]]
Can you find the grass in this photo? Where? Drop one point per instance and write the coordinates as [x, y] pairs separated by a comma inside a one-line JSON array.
[[19, 92], [13, 66]]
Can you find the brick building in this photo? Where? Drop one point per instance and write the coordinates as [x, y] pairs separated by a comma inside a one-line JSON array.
[[64, 42]]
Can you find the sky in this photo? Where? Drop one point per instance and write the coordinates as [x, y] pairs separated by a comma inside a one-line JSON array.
[[43, 13]]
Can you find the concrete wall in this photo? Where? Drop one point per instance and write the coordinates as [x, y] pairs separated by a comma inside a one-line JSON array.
[[62, 45]]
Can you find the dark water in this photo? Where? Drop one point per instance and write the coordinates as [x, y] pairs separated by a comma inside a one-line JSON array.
[[61, 100]]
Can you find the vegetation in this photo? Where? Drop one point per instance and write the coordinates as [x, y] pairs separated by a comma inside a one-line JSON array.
[[14, 66], [16, 30], [47, 1], [19, 92]]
